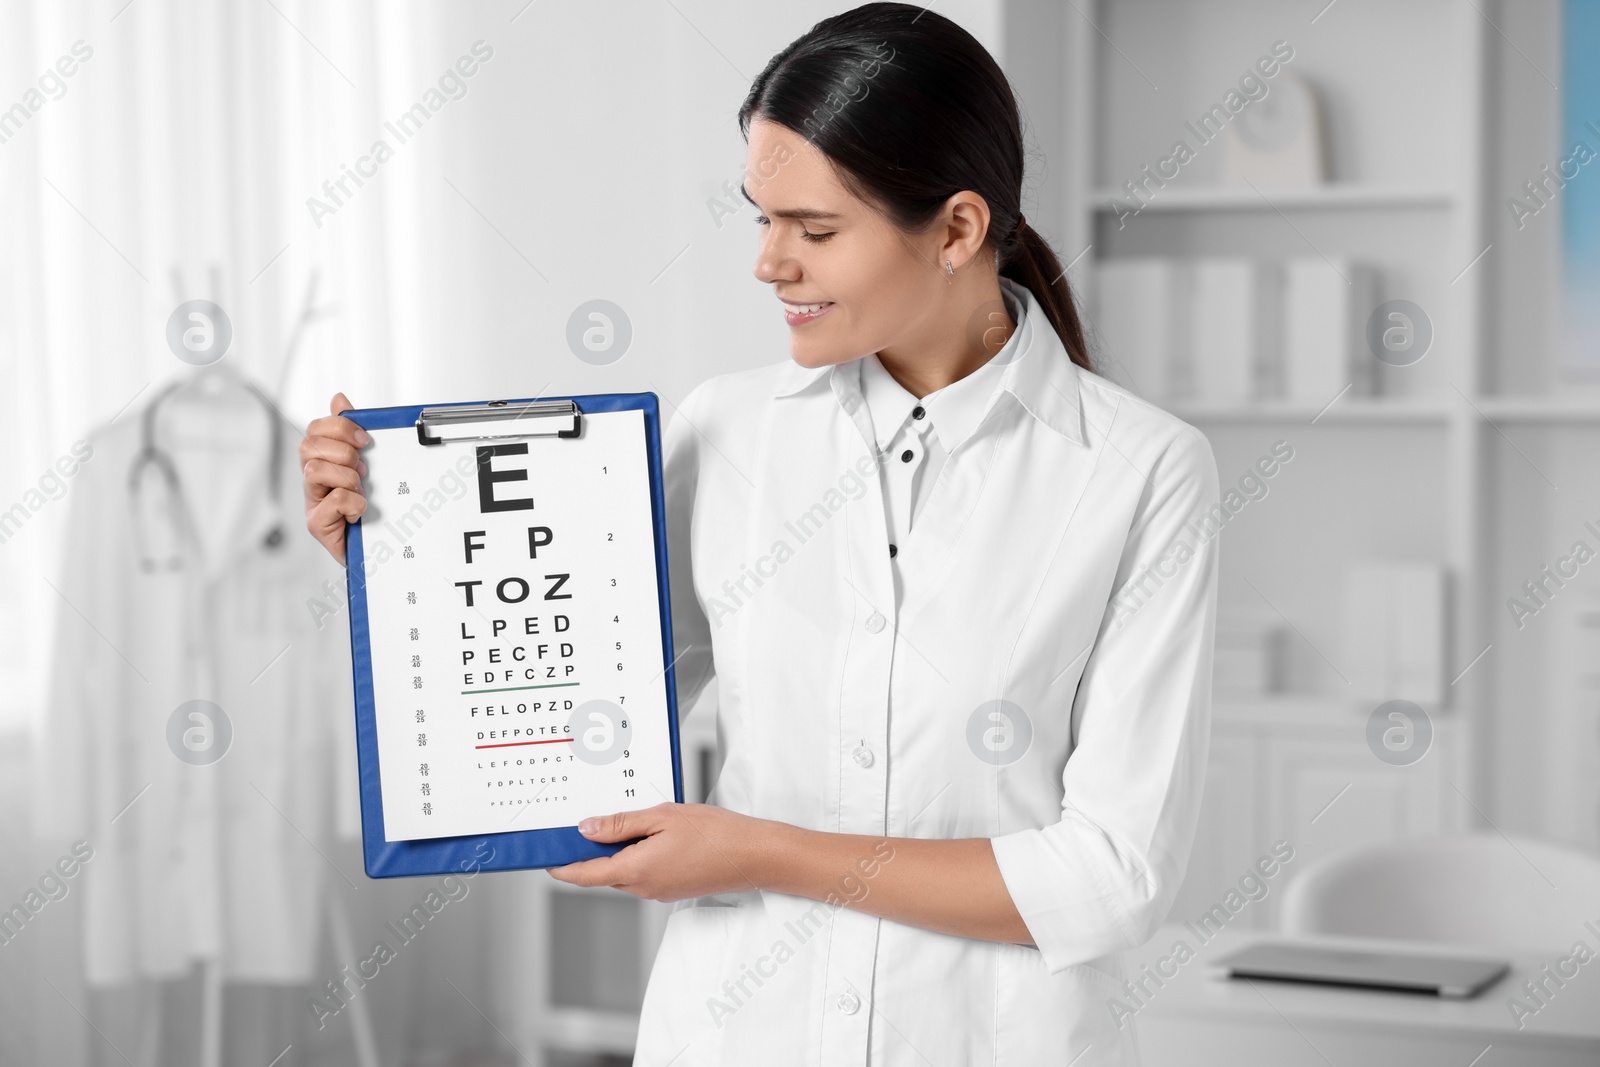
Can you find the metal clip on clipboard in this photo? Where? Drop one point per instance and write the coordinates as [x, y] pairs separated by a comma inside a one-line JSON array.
[[499, 418]]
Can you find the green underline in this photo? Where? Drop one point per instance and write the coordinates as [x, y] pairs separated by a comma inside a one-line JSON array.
[[516, 688]]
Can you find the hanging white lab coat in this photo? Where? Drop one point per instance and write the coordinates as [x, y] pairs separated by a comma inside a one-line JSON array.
[[1064, 562], [223, 861]]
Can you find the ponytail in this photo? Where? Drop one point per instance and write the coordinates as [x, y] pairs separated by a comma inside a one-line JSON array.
[[1028, 260]]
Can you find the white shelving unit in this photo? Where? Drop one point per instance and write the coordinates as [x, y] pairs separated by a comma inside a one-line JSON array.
[[1428, 469], [1473, 458]]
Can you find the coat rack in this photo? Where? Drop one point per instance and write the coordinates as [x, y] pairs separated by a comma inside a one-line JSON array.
[[339, 922]]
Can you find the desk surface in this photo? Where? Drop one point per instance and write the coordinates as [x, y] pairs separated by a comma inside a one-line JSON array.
[[1571, 1015]]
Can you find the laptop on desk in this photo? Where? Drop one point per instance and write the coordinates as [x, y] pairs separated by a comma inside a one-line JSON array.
[[1390, 969]]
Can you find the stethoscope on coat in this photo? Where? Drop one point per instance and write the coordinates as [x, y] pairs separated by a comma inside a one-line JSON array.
[[151, 457]]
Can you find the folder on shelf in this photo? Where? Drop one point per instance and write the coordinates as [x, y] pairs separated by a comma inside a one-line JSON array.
[[1232, 306], [1135, 315], [1325, 303]]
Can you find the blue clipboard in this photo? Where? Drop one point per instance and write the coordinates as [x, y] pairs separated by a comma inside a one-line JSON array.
[[514, 850]]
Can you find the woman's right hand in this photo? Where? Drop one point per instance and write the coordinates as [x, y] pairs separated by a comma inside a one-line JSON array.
[[332, 464]]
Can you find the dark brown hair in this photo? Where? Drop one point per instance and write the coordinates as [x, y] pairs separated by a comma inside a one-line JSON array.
[[911, 109]]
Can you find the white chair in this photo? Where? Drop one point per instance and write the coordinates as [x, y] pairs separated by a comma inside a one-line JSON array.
[[1478, 889]]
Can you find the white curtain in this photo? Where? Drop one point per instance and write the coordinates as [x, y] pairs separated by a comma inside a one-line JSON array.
[[151, 152], [185, 146]]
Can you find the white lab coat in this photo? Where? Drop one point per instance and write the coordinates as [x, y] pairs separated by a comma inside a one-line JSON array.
[[845, 708], [221, 861]]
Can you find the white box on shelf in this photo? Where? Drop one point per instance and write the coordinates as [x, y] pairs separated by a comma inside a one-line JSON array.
[[1250, 657], [1325, 304], [1394, 631], [1135, 301]]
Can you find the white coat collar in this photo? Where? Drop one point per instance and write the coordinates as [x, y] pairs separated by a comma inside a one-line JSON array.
[[1042, 376]]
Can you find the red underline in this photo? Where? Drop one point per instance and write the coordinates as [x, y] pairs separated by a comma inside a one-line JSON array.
[[519, 744]]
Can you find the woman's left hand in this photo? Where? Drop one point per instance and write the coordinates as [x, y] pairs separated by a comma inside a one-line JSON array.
[[689, 850]]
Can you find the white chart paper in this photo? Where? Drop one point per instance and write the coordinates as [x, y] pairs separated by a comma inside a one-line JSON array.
[[515, 630]]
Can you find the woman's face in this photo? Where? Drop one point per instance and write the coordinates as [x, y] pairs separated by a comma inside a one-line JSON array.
[[880, 288]]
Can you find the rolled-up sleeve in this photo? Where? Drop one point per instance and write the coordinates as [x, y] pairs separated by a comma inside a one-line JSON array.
[[1104, 876], [681, 446]]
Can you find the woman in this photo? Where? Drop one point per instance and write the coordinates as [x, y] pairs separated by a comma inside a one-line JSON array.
[[956, 590]]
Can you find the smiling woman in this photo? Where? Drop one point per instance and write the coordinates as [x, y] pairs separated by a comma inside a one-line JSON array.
[[959, 712], [885, 153], [923, 692]]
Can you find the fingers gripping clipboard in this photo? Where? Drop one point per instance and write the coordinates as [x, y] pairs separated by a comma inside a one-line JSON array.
[[510, 631]]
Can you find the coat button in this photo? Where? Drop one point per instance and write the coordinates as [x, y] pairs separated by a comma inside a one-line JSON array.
[[848, 1003], [917, 412], [875, 622], [862, 755], [893, 551], [907, 456]]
